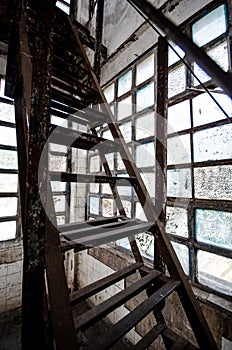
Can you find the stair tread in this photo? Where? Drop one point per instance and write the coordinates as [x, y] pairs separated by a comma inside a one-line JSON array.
[[97, 222], [117, 331], [93, 288], [148, 339], [107, 306]]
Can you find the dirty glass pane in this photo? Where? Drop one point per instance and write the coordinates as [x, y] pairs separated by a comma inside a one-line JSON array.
[[59, 203], [210, 26], [58, 148], [109, 93], [145, 243], [94, 164], [110, 160], [177, 221], [176, 80], [213, 182], [8, 182], [145, 126], [7, 112], [8, 206], [179, 183], [7, 136], [214, 227], [145, 97], [7, 230], [58, 186], [125, 83], [213, 144], [125, 108], [172, 56], [107, 207], [60, 220], [145, 155], [127, 207], [126, 131], [178, 150], [94, 188], [57, 163], [179, 117], [8, 159], [145, 70], [215, 271], [94, 205], [183, 255], [149, 180], [106, 189], [206, 111]]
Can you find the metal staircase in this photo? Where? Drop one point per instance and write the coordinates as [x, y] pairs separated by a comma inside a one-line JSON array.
[[68, 86]]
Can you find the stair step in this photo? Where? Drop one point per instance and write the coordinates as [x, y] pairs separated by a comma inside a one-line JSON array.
[[77, 90], [72, 138], [148, 339], [102, 284], [68, 100], [117, 331], [97, 222], [98, 312]]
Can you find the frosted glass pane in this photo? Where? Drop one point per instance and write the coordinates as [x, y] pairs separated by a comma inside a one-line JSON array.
[[125, 83], [213, 144], [7, 230], [179, 183], [210, 26], [172, 56], [125, 108], [107, 207], [109, 93], [176, 80], [8, 182], [57, 163], [60, 220], [145, 70], [149, 180], [177, 221], [214, 227], [8, 159], [94, 205], [145, 97], [213, 182], [110, 159], [205, 109], [183, 255], [94, 188], [59, 203], [145, 126], [215, 271], [179, 117], [145, 155], [7, 136], [94, 164], [7, 112], [178, 150], [58, 186], [126, 131], [8, 206], [106, 189]]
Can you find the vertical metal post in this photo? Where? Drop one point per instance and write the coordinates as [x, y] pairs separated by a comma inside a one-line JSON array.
[[98, 38], [73, 9]]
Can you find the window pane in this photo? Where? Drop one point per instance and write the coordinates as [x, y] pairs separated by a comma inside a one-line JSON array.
[[145, 155], [172, 56], [178, 150], [60, 220], [213, 182], [179, 117], [8, 206], [58, 186], [176, 80], [63, 6], [126, 131], [8, 159], [145, 243], [125, 83], [183, 255], [109, 93], [7, 136], [57, 163], [125, 108], [94, 205], [107, 207], [145, 70], [58, 148], [149, 180], [94, 164], [214, 227], [107, 135], [7, 112], [210, 26], [124, 190], [127, 208], [8, 182], [94, 188], [215, 271], [145, 126], [213, 144], [205, 109], [139, 212], [7, 230], [179, 183], [177, 221], [59, 203], [145, 97], [110, 159], [106, 189]]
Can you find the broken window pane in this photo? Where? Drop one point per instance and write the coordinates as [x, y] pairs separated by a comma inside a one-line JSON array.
[[178, 150], [210, 26], [7, 113], [109, 93], [107, 207], [8, 182], [145, 70], [214, 227], [183, 255], [213, 182], [215, 271], [145, 97], [126, 131], [8, 159], [176, 80], [179, 183], [94, 205], [145, 155], [7, 230], [213, 144], [172, 56], [125, 83], [59, 203], [145, 126], [7, 136], [8, 206], [177, 221], [125, 108], [179, 117]]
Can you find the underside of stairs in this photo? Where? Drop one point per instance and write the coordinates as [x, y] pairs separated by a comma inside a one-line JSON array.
[[58, 80]]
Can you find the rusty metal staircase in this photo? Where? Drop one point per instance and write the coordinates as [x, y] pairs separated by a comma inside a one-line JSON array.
[[74, 87]]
